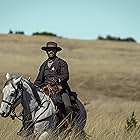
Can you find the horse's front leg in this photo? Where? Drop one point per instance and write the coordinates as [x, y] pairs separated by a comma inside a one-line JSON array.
[[41, 130], [42, 126]]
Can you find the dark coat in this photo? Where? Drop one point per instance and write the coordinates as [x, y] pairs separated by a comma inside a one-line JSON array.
[[58, 70]]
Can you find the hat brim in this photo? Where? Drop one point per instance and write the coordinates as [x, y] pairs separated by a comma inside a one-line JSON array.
[[44, 48]]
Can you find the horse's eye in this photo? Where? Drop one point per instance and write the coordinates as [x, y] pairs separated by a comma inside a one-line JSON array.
[[12, 94]]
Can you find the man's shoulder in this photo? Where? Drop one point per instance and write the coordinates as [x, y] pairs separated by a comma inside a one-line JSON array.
[[61, 60], [43, 63]]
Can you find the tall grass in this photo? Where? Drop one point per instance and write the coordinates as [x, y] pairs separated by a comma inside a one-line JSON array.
[[107, 120]]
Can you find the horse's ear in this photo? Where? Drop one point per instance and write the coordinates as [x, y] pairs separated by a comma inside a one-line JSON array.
[[29, 79], [8, 76], [17, 80]]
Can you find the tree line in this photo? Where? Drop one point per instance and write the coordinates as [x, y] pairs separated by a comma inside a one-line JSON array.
[[108, 37], [113, 38], [33, 34]]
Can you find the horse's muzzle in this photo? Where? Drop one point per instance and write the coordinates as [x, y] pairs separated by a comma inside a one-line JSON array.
[[3, 114]]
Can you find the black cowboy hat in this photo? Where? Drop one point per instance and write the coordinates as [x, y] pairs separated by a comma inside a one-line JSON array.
[[51, 45]]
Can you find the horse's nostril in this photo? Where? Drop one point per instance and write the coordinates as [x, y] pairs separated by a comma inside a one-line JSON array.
[[2, 114]]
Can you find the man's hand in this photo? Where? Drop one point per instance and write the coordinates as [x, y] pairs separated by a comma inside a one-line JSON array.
[[52, 81]]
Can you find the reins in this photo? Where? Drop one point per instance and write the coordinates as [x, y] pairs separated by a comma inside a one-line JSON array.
[[51, 90], [7, 102], [15, 115]]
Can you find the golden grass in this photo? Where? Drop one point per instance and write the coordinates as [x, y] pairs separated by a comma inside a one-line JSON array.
[[107, 119], [105, 74]]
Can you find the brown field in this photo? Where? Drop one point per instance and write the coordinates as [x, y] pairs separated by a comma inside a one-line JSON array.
[[105, 75]]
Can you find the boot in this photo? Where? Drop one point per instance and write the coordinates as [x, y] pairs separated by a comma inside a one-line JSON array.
[[68, 110], [69, 113]]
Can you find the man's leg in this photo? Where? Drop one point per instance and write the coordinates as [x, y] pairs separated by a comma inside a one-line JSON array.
[[67, 103]]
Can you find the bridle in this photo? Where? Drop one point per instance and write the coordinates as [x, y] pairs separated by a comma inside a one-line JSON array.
[[7, 102], [16, 100], [19, 87]]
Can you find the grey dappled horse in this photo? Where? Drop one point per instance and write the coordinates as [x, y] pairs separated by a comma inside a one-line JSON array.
[[41, 113]]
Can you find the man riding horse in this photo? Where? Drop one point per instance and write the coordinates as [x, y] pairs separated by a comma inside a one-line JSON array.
[[53, 75], [54, 71]]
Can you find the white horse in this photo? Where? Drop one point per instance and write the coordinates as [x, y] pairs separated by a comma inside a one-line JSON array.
[[39, 111]]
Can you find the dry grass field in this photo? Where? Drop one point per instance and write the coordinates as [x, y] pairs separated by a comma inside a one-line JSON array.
[[105, 74]]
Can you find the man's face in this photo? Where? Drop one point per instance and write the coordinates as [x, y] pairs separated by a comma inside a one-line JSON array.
[[51, 52]]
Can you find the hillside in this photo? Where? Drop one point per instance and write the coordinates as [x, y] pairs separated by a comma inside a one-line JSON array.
[[105, 75], [96, 67]]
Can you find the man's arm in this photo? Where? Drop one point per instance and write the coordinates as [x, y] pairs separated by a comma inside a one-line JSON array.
[[39, 79], [64, 72]]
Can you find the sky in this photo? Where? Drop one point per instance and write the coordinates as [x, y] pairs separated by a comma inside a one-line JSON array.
[[79, 19]]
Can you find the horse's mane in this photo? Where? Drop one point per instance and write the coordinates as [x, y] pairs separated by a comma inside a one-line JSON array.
[[35, 93]]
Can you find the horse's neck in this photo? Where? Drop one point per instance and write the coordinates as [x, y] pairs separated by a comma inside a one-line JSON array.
[[29, 97], [29, 100], [30, 103]]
